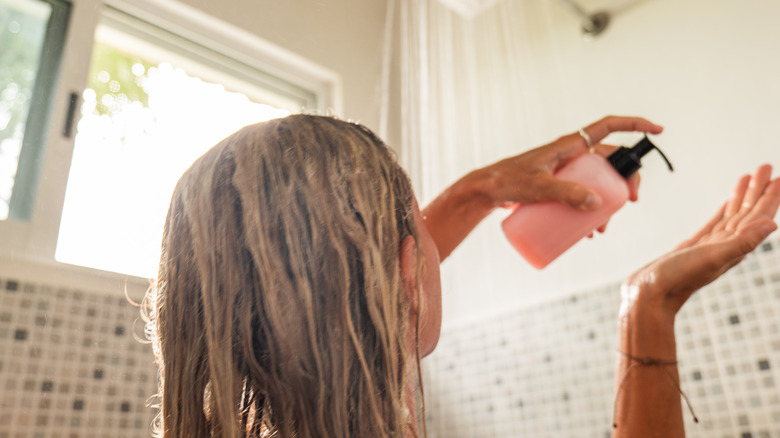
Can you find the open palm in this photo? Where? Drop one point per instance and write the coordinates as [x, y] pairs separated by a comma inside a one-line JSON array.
[[737, 228]]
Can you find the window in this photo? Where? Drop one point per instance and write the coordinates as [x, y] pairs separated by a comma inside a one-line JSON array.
[[153, 104], [32, 34]]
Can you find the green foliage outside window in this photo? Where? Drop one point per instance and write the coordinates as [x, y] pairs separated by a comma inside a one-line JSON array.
[[117, 79]]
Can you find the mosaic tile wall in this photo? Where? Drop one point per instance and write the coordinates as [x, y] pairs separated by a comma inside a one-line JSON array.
[[548, 371], [70, 365]]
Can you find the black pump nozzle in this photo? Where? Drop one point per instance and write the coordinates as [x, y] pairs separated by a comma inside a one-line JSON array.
[[627, 161]]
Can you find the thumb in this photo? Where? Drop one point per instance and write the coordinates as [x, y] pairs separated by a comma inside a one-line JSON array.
[[570, 193], [752, 235]]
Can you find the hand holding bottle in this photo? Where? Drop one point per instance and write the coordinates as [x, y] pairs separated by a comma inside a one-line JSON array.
[[525, 178], [529, 177], [541, 232]]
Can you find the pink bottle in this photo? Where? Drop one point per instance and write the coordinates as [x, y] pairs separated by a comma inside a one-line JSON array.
[[541, 232]]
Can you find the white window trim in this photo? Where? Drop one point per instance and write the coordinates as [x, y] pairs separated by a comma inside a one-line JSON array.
[[34, 241]]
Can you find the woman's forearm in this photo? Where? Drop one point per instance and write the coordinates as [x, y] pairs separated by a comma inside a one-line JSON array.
[[647, 391], [457, 211]]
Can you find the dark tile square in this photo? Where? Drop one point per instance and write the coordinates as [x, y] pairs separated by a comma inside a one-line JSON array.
[[119, 330], [47, 386], [766, 246], [20, 335], [78, 405], [697, 375], [98, 374], [763, 364], [734, 319], [11, 285], [124, 407]]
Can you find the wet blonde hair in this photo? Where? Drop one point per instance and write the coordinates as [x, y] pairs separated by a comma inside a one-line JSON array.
[[278, 310]]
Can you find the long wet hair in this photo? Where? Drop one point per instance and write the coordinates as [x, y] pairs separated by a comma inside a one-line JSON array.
[[278, 309]]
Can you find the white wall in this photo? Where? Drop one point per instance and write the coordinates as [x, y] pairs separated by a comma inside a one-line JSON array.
[[706, 69], [344, 36]]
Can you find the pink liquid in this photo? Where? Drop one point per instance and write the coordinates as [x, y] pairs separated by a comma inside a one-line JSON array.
[[543, 231]]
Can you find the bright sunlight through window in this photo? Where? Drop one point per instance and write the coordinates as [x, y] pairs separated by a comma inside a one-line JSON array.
[[143, 122]]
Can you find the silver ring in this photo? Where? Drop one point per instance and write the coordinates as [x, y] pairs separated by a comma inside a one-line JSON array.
[[585, 135]]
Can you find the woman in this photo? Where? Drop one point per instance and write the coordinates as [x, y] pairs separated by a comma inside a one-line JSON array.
[[299, 282]]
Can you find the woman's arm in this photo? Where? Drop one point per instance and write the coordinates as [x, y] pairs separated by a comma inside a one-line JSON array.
[[647, 400], [521, 179]]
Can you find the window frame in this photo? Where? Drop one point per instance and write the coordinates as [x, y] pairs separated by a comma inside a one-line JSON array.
[[35, 239], [41, 104]]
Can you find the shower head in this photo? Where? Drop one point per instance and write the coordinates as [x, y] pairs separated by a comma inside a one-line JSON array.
[[592, 24]]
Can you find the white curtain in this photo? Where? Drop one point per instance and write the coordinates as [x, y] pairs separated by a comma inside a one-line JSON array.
[[467, 101]]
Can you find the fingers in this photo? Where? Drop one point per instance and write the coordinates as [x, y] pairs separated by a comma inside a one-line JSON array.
[[599, 130], [733, 205], [753, 193], [573, 145], [754, 200], [757, 185], [765, 207], [701, 264], [735, 202], [572, 194]]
